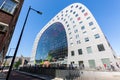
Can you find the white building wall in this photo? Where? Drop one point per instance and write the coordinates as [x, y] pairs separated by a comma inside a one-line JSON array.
[[69, 18]]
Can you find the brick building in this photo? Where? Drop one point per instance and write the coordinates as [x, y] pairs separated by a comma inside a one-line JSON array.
[[9, 12]]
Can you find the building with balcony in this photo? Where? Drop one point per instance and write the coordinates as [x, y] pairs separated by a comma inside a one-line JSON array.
[[73, 36], [9, 12]]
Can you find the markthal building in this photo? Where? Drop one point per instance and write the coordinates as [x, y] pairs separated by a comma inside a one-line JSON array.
[[73, 36]]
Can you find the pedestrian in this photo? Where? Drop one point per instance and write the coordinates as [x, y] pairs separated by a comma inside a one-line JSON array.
[[112, 67], [117, 65]]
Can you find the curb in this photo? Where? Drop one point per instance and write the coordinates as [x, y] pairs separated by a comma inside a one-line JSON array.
[[34, 75]]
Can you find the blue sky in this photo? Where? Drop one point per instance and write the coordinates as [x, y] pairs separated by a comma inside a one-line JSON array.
[[106, 13]]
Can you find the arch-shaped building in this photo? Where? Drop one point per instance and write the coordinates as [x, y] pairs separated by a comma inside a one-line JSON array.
[[73, 36]]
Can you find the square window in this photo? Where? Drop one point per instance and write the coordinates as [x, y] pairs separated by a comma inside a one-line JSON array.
[[80, 7], [68, 28], [80, 51], [74, 12], [86, 39], [88, 18], [76, 30], [77, 36], [76, 15], [97, 36], [84, 32], [90, 23], [76, 6], [66, 11], [8, 6], [71, 44], [71, 11], [86, 14], [72, 53], [83, 27], [89, 50], [78, 42], [72, 6], [83, 10], [74, 26], [92, 63], [78, 18], [70, 33], [68, 25], [80, 22], [93, 28], [65, 14], [71, 19], [66, 22], [101, 47]]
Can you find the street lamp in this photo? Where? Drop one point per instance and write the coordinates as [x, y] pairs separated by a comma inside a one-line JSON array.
[[20, 40]]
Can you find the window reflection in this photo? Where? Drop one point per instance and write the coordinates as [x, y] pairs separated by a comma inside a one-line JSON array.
[[52, 44]]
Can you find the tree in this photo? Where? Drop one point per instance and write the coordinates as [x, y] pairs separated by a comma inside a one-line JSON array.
[[17, 64]]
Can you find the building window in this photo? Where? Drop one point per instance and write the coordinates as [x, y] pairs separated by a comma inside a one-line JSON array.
[[76, 30], [78, 42], [83, 27], [71, 44], [66, 11], [76, 6], [80, 22], [97, 36], [71, 11], [89, 49], [74, 26], [86, 14], [8, 6], [66, 22], [61, 18], [68, 28], [76, 15], [80, 7], [74, 12], [65, 14], [78, 18], [70, 38], [77, 36], [70, 33], [71, 19], [90, 23], [88, 18], [80, 51], [84, 32], [64, 19], [72, 6], [68, 25], [83, 10], [72, 53], [93, 28], [101, 47], [86, 39], [106, 61], [91, 63]]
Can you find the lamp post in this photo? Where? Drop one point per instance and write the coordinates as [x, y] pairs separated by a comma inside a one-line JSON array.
[[20, 40]]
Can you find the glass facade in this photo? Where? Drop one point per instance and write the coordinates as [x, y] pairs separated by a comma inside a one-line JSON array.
[[52, 44]]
